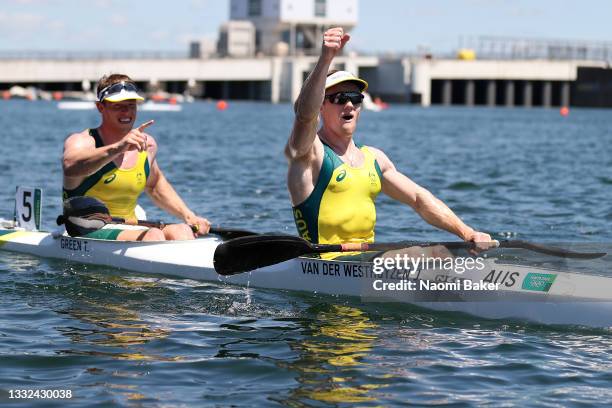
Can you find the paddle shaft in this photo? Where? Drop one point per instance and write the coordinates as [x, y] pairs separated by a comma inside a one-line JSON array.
[[249, 253], [363, 247], [88, 208], [224, 232], [149, 224], [515, 244]]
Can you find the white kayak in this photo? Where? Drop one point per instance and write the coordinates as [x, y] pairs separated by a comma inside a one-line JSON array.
[[521, 292]]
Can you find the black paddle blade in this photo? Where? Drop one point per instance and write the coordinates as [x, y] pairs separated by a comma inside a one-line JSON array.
[[252, 252], [228, 233], [551, 250]]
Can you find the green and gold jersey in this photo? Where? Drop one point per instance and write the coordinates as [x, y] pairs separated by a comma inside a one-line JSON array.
[[118, 188], [341, 208]]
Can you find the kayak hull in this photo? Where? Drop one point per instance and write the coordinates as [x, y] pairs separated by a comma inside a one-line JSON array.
[[521, 292]]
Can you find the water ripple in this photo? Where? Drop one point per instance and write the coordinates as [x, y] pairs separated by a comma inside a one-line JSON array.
[[128, 340]]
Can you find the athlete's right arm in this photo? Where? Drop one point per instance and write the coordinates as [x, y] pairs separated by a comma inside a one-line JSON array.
[[81, 157], [308, 103]]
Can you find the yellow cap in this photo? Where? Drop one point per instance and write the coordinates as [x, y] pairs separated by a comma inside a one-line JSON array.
[[345, 76]]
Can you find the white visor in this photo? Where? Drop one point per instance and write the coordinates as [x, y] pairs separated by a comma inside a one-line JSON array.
[[120, 91], [124, 96]]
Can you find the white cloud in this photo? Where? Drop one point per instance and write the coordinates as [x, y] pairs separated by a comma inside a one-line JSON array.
[[199, 4], [119, 20], [487, 3], [31, 1], [18, 20], [20, 30], [87, 37], [427, 11], [56, 25], [507, 7], [105, 4], [159, 35], [527, 12]]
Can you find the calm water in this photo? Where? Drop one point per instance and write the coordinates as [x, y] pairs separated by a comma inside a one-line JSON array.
[[117, 338]]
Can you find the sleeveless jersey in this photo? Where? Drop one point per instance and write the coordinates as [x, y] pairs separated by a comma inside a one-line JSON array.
[[118, 188], [341, 208]]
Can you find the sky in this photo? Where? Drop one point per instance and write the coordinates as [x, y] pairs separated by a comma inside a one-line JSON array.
[[384, 25]]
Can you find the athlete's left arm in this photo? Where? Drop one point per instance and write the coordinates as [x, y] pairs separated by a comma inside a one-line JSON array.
[[165, 196], [399, 187]]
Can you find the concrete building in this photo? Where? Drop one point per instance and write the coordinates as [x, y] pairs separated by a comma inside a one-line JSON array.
[[495, 82], [202, 48], [268, 48], [273, 79], [422, 81], [237, 39], [297, 23]]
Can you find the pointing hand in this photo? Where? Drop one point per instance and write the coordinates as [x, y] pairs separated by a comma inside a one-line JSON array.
[[136, 139]]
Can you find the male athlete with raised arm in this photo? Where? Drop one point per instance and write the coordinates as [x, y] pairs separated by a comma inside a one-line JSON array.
[[333, 181]]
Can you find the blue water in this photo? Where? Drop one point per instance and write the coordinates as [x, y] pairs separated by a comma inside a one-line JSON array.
[[118, 338]]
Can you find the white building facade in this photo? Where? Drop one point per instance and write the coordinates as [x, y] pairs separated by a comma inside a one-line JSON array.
[[293, 27]]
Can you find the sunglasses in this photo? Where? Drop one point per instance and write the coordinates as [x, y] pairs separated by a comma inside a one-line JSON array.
[[116, 88], [340, 98]]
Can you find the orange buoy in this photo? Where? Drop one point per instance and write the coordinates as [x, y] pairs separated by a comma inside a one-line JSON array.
[[222, 105], [564, 111], [6, 95], [57, 96], [172, 100]]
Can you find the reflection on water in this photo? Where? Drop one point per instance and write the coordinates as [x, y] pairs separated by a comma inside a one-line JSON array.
[[334, 356], [116, 326], [109, 330], [112, 325]]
